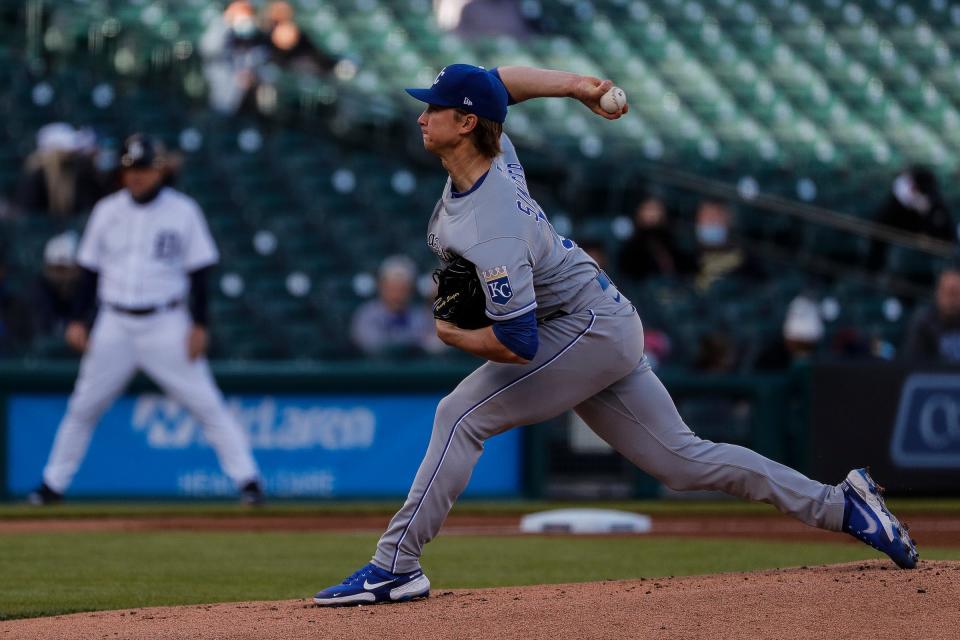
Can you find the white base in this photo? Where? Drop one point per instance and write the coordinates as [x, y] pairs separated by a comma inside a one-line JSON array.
[[585, 521]]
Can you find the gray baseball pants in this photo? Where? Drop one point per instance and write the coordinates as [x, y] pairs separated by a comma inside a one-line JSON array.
[[591, 361]]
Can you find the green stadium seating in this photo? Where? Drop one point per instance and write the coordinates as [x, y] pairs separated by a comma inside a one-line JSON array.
[[839, 94]]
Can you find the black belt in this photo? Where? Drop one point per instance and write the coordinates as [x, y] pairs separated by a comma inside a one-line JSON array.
[[144, 311], [603, 280]]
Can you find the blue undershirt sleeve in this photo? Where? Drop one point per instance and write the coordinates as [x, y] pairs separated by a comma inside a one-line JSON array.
[[519, 334], [510, 101]]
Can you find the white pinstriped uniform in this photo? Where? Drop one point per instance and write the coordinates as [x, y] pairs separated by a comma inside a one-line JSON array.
[[144, 255]]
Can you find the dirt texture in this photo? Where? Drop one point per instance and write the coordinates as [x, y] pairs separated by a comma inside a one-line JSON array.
[[857, 600], [941, 530]]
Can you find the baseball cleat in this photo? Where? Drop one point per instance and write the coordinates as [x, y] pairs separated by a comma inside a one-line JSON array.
[[866, 517], [251, 494], [371, 584], [44, 495]]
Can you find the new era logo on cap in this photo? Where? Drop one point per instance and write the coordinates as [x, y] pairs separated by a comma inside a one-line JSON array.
[[468, 102]]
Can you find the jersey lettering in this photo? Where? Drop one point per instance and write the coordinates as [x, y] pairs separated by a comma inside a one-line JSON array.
[[433, 241], [525, 202], [525, 208]]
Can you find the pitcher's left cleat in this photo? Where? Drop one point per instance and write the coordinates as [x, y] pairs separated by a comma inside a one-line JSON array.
[[371, 584], [866, 517]]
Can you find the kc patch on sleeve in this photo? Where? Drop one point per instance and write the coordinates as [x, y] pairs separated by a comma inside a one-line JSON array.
[[497, 281]]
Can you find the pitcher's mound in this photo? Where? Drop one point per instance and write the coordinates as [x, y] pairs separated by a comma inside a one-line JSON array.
[[858, 600]]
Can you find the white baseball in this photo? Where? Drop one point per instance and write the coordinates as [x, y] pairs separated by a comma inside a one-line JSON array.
[[614, 100]]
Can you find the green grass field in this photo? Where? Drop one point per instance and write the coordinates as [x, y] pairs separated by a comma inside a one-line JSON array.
[[47, 574], [53, 573]]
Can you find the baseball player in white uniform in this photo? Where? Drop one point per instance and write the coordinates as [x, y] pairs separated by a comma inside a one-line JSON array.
[[146, 254], [561, 337]]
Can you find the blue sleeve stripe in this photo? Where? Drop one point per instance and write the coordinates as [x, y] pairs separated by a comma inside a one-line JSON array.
[[512, 314], [519, 335]]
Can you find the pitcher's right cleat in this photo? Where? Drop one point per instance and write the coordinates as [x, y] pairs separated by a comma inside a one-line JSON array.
[[371, 584], [866, 517]]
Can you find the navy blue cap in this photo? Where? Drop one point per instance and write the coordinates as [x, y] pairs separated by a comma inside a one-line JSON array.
[[464, 86], [141, 151]]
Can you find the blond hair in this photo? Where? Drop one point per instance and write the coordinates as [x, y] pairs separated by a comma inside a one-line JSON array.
[[485, 136]]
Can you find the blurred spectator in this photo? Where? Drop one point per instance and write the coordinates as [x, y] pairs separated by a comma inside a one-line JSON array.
[[934, 333], [915, 205], [60, 176], [652, 250], [716, 353], [290, 48], [234, 49], [478, 18], [802, 332], [393, 324], [55, 289], [656, 346], [719, 255]]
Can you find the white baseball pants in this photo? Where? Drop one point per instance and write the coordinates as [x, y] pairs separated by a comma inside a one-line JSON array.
[[120, 345]]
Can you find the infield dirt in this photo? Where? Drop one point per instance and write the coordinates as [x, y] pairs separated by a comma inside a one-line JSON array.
[[856, 600]]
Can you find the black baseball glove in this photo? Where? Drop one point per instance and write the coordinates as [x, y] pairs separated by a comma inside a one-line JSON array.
[[460, 297]]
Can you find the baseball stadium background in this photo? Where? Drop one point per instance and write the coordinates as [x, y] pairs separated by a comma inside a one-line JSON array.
[[799, 119]]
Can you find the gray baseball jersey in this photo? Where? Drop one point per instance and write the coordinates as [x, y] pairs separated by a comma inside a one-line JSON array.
[[590, 359], [498, 226]]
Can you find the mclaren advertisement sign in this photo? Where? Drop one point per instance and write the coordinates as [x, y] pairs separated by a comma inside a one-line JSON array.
[[902, 422]]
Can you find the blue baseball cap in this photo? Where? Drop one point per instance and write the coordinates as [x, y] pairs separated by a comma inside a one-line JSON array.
[[464, 86]]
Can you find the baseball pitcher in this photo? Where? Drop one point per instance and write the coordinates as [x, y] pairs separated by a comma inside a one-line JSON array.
[[557, 335]]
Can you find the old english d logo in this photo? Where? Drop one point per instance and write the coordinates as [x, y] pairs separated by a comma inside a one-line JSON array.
[[927, 431], [497, 282]]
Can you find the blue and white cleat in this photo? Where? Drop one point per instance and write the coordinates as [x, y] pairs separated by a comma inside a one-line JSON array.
[[866, 517], [371, 584]]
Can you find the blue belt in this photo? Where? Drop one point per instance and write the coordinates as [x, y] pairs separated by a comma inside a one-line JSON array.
[[603, 280]]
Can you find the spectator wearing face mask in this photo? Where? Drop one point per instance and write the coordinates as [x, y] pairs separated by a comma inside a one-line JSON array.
[[234, 50], [719, 254], [934, 333], [652, 250], [914, 205], [290, 48]]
